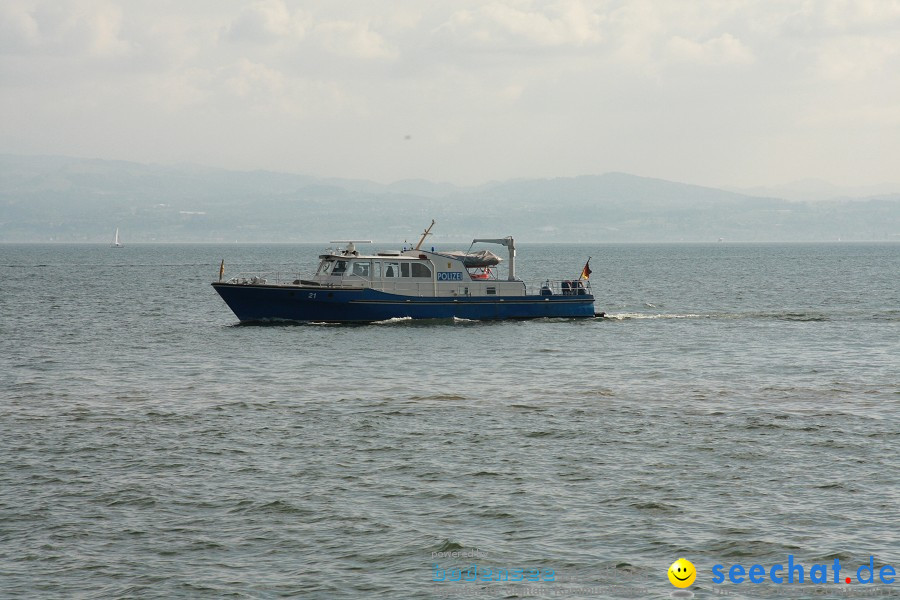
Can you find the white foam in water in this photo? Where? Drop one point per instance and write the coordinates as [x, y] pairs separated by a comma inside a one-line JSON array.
[[393, 320], [624, 316]]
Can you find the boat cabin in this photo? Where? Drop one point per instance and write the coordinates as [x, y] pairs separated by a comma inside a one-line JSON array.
[[417, 272]]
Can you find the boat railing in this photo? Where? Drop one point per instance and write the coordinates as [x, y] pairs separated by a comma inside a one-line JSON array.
[[266, 278], [428, 287], [561, 287]]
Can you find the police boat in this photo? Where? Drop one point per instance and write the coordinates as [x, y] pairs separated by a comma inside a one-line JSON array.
[[350, 286]]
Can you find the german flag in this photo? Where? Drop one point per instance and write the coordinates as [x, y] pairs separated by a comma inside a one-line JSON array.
[[586, 271]]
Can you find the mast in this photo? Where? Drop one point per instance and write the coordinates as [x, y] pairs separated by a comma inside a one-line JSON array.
[[424, 235]]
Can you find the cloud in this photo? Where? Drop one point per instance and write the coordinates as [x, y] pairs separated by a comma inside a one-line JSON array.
[[270, 21], [353, 39], [179, 91], [63, 28], [505, 24], [722, 50], [266, 21], [857, 58], [247, 78], [835, 17], [19, 31]]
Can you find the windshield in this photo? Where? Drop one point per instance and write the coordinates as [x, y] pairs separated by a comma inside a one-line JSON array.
[[339, 267], [325, 267]]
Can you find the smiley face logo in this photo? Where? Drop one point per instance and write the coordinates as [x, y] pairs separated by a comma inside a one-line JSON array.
[[682, 573]]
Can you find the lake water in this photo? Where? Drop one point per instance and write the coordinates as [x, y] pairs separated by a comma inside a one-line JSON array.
[[739, 405]]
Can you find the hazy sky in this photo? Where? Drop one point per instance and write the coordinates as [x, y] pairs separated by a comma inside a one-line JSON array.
[[719, 92]]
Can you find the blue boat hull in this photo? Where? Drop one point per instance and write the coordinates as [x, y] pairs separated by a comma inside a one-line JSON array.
[[364, 305]]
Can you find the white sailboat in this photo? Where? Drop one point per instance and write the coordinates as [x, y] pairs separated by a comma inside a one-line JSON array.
[[116, 243]]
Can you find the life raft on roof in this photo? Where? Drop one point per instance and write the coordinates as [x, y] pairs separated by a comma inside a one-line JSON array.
[[474, 260]]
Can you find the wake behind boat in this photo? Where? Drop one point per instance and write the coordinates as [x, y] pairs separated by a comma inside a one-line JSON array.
[[352, 287]]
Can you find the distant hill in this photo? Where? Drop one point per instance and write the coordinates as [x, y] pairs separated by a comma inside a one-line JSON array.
[[78, 200], [811, 190]]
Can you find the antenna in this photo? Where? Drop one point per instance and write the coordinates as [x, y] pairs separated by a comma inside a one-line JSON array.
[[350, 249], [425, 234]]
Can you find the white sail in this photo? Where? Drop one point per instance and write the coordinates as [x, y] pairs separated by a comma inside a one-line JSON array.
[[116, 242]]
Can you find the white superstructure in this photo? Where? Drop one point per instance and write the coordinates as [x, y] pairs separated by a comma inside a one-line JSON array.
[[416, 273]]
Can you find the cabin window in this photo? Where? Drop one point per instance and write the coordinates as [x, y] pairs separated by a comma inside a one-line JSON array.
[[404, 269], [361, 269], [376, 271], [420, 270], [491, 291], [325, 267], [339, 267], [391, 269]]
